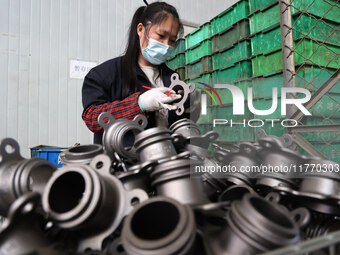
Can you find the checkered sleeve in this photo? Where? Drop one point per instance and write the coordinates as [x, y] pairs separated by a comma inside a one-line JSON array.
[[127, 109]]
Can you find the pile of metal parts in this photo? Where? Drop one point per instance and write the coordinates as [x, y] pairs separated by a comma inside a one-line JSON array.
[[151, 199]]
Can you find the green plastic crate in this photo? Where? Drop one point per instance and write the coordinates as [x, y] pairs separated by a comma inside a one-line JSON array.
[[225, 111], [205, 78], [309, 77], [225, 94], [235, 13], [238, 132], [271, 40], [238, 52], [177, 61], [228, 37], [206, 118], [325, 107], [239, 71], [198, 51], [198, 35], [179, 47], [266, 104], [321, 136], [271, 62], [181, 72], [199, 67], [255, 5], [328, 106], [270, 16]]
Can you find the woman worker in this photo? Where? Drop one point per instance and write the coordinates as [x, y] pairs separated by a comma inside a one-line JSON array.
[[116, 86]]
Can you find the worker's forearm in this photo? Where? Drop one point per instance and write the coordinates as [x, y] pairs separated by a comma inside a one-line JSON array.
[[127, 109]]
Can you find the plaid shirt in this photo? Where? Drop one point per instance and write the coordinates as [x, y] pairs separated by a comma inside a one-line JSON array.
[[127, 109]]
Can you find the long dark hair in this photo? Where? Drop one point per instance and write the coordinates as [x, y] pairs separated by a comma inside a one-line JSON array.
[[149, 15]]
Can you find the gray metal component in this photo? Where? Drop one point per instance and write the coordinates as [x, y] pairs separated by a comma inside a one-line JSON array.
[[318, 190], [323, 245], [117, 130], [286, 140], [136, 177], [176, 84], [185, 127], [22, 232], [18, 175], [287, 44], [255, 225], [154, 144], [159, 225], [245, 156], [89, 200], [82, 154], [235, 192], [273, 155], [173, 179]]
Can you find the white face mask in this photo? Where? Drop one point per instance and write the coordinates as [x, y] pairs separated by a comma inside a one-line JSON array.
[[156, 52]]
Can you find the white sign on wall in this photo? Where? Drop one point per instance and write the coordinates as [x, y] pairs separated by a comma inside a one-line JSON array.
[[79, 69]]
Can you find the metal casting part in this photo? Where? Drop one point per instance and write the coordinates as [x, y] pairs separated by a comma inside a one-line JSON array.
[[18, 175], [175, 179], [82, 154], [154, 144], [159, 225], [176, 84], [23, 233], [88, 200], [118, 132]]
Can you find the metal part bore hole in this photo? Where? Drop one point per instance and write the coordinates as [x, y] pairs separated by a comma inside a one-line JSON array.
[[9, 149], [99, 164], [140, 122], [155, 220], [134, 201], [66, 192], [120, 248], [27, 208]]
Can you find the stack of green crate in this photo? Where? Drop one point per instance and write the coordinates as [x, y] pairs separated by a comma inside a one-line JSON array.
[[198, 51], [266, 49], [176, 61], [232, 65]]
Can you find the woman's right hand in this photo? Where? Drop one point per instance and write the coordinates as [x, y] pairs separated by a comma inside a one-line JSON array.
[[155, 99]]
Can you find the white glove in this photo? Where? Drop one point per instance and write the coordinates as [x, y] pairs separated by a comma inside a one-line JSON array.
[[155, 99]]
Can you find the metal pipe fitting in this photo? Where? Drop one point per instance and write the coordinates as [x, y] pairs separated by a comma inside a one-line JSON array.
[[173, 179], [18, 175], [119, 134], [235, 161], [82, 154], [159, 225], [255, 225], [23, 232], [89, 200], [319, 189], [154, 144], [273, 155], [185, 127]]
